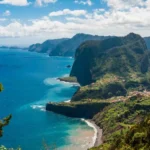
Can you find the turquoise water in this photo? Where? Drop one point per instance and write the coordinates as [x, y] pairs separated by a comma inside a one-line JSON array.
[[30, 81]]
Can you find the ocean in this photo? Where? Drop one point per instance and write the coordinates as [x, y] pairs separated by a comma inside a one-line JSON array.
[[30, 81]]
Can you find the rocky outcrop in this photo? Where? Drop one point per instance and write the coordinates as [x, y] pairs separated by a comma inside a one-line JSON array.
[[77, 110]]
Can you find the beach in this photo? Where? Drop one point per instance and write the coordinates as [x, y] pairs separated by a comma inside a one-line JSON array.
[[98, 133]]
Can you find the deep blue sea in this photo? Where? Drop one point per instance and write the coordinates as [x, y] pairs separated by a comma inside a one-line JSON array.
[[30, 81]]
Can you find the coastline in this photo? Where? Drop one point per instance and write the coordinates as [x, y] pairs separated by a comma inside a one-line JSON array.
[[98, 133]]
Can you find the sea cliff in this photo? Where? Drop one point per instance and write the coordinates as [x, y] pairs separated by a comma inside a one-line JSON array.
[[114, 75]]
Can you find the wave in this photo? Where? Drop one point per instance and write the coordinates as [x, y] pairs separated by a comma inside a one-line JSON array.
[[95, 131], [56, 81], [51, 81], [40, 107]]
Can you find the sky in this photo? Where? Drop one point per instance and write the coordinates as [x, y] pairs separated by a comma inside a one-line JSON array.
[[25, 22]]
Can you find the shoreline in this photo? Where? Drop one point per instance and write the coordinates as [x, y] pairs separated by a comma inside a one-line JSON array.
[[98, 133]]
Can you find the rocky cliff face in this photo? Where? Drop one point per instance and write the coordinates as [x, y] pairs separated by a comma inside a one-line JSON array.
[[68, 47], [147, 40], [118, 55], [78, 110]]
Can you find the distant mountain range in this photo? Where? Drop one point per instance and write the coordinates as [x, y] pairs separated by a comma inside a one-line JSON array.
[[64, 47], [67, 47], [47, 46], [13, 47]]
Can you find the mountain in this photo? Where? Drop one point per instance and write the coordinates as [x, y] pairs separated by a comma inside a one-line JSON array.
[[121, 56], [68, 47], [45, 47], [147, 40], [114, 75]]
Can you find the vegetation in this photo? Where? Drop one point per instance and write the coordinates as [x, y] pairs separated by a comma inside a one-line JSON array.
[[115, 81], [1, 87], [135, 138], [121, 56], [4, 122], [123, 123], [77, 109]]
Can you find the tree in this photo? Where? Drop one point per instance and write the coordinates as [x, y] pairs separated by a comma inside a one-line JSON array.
[[4, 122]]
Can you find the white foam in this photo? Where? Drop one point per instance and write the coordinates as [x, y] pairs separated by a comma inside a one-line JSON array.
[[51, 81], [40, 107], [95, 132], [56, 81], [68, 101]]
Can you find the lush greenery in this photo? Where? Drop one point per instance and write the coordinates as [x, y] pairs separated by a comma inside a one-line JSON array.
[[118, 122], [135, 138], [121, 56]]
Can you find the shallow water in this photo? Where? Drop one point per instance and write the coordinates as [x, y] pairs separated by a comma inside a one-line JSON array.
[[30, 81]]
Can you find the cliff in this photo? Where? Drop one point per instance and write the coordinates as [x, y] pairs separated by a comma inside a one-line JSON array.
[[68, 47], [119, 55], [77, 110], [147, 40], [115, 82]]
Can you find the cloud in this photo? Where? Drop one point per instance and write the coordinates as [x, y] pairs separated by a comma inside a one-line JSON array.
[[15, 2], [7, 13], [68, 12], [85, 2], [42, 2], [114, 21], [124, 4]]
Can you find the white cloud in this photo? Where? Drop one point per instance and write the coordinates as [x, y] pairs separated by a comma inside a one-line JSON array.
[[68, 12], [42, 2], [115, 21], [7, 13], [84, 2], [15, 2], [124, 4]]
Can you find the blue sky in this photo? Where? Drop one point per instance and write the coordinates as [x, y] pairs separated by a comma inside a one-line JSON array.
[[23, 22]]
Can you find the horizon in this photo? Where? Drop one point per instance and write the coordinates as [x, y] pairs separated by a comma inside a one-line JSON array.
[[40, 20]]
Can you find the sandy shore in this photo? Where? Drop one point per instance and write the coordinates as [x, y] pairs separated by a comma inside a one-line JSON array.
[[97, 139]]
